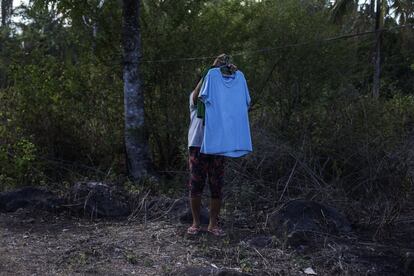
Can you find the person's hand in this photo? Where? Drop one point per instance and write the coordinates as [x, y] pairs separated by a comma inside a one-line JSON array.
[[219, 60], [233, 67]]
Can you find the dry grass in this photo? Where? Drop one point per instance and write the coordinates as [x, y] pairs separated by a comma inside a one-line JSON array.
[[45, 244]]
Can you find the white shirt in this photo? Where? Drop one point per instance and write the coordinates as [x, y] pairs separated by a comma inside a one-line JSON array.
[[196, 129]]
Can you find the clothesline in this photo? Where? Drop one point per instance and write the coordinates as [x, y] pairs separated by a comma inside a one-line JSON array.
[[269, 49]]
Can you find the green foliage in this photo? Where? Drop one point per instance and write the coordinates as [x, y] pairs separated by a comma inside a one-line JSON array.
[[61, 96], [62, 91], [18, 162]]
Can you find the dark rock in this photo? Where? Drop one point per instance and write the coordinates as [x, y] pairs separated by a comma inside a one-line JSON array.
[[92, 198], [194, 271], [303, 221], [206, 271], [30, 197], [228, 272], [408, 263], [183, 211], [97, 199], [260, 241], [176, 209]]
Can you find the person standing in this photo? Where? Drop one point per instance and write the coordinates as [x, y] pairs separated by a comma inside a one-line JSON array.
[[204, 167]]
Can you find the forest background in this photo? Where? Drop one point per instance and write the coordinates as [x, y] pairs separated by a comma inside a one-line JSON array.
[[319, 131]]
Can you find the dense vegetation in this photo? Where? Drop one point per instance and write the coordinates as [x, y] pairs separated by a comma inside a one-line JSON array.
[[318, 132]]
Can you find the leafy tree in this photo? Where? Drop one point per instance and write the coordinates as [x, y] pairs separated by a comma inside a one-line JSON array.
[[379, 10]]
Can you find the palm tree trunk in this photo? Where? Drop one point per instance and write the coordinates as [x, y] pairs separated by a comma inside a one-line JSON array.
[[377, 56], [136, 141], [6, 11]]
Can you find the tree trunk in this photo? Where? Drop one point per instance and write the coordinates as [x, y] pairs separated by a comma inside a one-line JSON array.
[[6, 11], [377, 56], [136, 141]]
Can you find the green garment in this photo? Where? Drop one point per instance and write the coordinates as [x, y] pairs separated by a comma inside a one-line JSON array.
[[201, 108]]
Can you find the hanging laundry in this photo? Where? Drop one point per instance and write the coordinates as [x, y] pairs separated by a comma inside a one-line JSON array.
[[201, 109], [226, 99]]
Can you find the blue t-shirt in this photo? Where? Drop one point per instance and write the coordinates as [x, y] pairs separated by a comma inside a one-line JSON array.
[[227, 99]]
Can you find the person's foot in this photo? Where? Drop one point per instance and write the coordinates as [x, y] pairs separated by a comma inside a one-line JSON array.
[[194, 229], [216, 231]]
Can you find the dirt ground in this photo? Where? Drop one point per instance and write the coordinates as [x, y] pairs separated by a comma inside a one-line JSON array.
[[48, 244]]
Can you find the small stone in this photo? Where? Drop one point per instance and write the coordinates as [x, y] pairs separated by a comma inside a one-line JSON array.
[[213, 265], [309, 271]]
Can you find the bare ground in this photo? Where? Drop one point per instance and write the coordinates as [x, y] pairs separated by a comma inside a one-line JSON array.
[[47, 244]]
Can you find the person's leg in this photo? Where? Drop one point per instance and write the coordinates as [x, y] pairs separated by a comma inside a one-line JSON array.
[[215, 204], [198, 174], [195, 203], [216, 181]]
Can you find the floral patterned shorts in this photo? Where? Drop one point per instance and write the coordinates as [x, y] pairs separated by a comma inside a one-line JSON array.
[[205, 166]]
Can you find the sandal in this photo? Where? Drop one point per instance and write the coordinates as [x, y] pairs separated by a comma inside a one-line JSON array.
[[193, 230], [217, 231]]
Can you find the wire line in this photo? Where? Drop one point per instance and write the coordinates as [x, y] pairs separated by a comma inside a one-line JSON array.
[[269, 49]]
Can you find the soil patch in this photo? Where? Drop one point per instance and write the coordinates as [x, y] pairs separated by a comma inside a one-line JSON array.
[[46, 244]]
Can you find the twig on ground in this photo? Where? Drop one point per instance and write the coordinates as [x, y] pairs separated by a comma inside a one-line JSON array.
[[288, 181]]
